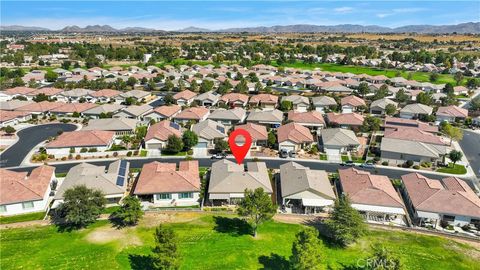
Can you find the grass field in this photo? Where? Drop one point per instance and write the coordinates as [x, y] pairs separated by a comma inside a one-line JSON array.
[[457, 169], [417, 76], [22, 218], [211, 241]]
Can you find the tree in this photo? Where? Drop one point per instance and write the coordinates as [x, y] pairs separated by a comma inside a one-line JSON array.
[[221, 145], [425, 98], [256, 207], [306, 250], [363, 89], [206, 86], [382, 259], [433, 77], [346, 224], [381, 93], [454, 133], [401, 96], [81, 206], [131, 81], [241, 87], [51, 76], [168, 99], [40, 97], [129, 213], [448, 88], [455, 156], [458, 77], [165, 253], [272, 139], [189, 139], [174, 144], [9, 130], [286, 105], [390, 109], [475, 104], [371, 123], [18, 82], [168, 85], [126, 139]]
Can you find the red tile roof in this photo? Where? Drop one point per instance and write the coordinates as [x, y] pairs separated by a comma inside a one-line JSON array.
[[82, 138], [48, 91], [9, 115], [193, 113], [311, 117], [264, 99], [234, 97], [158, 177], [187, 94], [365, 188], [43, 106], [454, 197], [168, 111], [350, 119], [161, 131], [17, 187], [295, 133], [413, 134], [400, 123], [353, 101], [452, 110], [106, 93], [74, 107], [257, 132], [20, 90]]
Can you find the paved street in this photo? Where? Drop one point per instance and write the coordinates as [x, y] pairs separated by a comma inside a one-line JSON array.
[[28, 139], [471, 147]]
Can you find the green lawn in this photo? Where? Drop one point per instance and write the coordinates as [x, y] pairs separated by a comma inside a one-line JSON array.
[[213, 242], [22, 218], [143, 153], [457, 169], [323, 157], [345, 158], [59, 175], [182, 153], [417, 76]]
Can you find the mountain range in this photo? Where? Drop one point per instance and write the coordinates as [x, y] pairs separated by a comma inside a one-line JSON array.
[[463, 28]]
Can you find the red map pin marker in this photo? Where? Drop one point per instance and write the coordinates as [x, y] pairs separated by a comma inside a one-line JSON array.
[[240, 151]]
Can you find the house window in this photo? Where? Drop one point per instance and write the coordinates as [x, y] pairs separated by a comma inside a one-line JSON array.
[[3, 208], [27, 205], [163, 196], [185, 195]]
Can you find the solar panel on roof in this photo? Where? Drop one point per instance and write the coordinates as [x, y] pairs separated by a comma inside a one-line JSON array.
[[221, 129], [120, 180], [123, 163], [174, 125], [122, 171]]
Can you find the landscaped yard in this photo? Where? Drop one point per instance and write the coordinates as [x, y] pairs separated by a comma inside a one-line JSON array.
[[22, 218], [457, 169], [182, 153], [212, 241], [345, 158], [323, 157]]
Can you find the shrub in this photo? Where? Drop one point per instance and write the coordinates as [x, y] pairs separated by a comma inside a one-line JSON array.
[[107, 156], [83, 150], [136, 152], [443, 223], [115, 154], [188, 158], [385, 163], [64, 158], [77, 157], [70, 156], [72, 150], [190, 152], [409, 163], [51, 156], [450, 227], [416, 167], [129, 153], [376, 159], [466, 227]]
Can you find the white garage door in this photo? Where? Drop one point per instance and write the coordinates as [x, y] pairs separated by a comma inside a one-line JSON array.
[[333, 155], [153, 146], [288, 147]]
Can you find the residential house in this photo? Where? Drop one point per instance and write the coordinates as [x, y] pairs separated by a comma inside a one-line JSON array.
[[312, 119], [163, 185], [352, 104], [229, 117], [72, 142], [415, 110], [323, 103], [229, 180], [121, 126], [194, 114], [163, 113], [378, 106], [158, 133], [432, 201], [294, 137], [15, 92], [337, 141], [184, 98], [14, 104], [271, 118], [208, 131], [106, 96], [234, 100], [258, 133], [111, 181], [345, 120], [300, 103], [76, 95], [207, 99], [134, 111], [460, 90], [104, 110], [50, 92], [396, 123], [22, 193], [451, 114], [137, 95], [373, 196], [69, 109], [40, 108], [305, 191], [264, 101], [11, 118]]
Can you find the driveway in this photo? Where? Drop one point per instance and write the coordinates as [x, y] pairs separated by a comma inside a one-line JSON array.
[[28, 138], [471, 147]]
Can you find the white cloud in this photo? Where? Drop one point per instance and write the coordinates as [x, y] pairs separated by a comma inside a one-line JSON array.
[[343, 10]]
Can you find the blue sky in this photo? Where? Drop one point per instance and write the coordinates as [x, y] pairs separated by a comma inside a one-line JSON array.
[[172, 15]]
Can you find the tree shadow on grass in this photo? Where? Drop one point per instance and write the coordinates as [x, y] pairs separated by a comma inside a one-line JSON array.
[[232, 226], [325, 234], [274, 262], [140, 262]]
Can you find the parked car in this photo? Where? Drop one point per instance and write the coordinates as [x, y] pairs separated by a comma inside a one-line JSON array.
[[347, 163], [219, 156], [292, 154], [283, 153], [367, 165]]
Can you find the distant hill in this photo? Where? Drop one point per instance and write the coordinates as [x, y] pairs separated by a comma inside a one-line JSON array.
[[463, 28]]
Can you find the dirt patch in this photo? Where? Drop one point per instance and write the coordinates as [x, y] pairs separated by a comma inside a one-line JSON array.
[[473, 252], [125, 237]]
